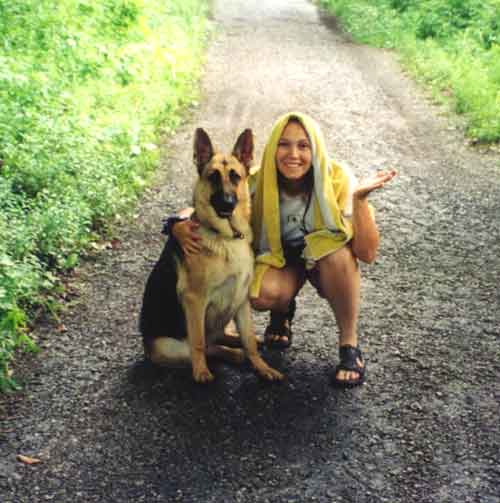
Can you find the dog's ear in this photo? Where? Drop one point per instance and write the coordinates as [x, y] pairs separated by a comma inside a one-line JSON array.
[[203, 150], [243, 148]]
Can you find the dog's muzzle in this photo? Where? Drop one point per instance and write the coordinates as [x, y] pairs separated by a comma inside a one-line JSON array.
[[223, 204]]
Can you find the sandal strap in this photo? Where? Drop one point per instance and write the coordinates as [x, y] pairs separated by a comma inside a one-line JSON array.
[[277, 322], [348, 356], [278, 327]]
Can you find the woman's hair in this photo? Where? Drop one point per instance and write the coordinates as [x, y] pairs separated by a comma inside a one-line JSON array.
[[294, 118]]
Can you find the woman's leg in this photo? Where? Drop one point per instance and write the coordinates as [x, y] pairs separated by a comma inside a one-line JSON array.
[[338, 278], [278, 289]]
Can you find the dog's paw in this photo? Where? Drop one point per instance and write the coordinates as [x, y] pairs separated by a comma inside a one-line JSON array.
[[269, 373], [203, 375], [237, 356]]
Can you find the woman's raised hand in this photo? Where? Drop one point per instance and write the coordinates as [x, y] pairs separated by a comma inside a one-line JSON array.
[[374, 182]]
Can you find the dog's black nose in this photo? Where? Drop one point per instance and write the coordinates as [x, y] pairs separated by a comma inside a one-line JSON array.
[[223, 203]]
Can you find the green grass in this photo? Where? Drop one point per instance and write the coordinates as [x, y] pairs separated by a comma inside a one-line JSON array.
[[453, 46], [87, 87]]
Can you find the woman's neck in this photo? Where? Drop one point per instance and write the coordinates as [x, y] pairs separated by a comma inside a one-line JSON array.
[[294, 188]]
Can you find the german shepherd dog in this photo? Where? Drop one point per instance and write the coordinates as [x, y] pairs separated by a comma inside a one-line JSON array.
[[189, 299]]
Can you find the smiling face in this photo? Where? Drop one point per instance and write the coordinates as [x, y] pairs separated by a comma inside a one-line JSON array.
[[294, 153]]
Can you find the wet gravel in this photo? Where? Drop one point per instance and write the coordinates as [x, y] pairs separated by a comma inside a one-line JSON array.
[[424, 428]]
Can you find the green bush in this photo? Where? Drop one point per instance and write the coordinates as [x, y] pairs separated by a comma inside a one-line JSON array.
[[86, 88], [452, 45]]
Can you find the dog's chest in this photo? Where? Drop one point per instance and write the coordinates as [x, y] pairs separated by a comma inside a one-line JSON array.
[[232, 279], [228, 286], [220, 274]]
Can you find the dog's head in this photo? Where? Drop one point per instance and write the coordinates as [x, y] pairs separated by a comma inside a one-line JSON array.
[[225, 174]]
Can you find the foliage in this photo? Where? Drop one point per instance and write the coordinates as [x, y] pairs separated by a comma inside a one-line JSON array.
[[86, 88], [452, 45]]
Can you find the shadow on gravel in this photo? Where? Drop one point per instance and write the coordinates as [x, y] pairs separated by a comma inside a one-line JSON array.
[[240, 410], [199, 431]]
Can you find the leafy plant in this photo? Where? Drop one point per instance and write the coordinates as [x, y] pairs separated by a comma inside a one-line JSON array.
[[86, 88]]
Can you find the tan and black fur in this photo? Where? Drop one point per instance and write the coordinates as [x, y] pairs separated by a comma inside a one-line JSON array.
[[189, 299]]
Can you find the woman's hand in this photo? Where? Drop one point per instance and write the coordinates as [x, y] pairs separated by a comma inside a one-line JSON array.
[[186, 234], [376, 181]]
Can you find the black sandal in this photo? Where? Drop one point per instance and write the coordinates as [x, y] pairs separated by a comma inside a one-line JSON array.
[[280, 326], [348, 356]]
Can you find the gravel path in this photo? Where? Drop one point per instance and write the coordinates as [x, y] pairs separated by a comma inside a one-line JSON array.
[[424, 428]]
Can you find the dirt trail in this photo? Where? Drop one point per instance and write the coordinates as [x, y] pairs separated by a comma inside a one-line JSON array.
[[423, 429]]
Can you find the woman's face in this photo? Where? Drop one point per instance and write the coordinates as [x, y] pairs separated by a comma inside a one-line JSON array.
[[294, 152]]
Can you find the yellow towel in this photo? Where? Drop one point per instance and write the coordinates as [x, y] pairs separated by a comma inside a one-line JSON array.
[[331, 191]]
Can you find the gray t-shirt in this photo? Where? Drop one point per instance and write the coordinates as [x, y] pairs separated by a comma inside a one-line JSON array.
[[293, 215], [296, 215]]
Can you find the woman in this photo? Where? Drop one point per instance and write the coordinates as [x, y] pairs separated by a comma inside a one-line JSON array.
[[310, 221]]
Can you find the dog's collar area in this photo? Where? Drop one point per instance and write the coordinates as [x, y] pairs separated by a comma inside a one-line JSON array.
[[236, 234]]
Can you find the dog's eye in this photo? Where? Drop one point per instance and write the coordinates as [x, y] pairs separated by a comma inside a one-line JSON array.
[[214, 178], [234, 177]]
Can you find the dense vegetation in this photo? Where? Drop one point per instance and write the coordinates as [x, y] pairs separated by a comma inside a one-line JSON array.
[[85, 86], [453, 45]]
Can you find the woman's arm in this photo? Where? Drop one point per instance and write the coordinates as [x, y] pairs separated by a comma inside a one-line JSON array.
[[366, 238]]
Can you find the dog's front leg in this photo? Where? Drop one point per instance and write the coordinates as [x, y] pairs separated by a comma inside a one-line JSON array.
[[194, 308], [244, 323]]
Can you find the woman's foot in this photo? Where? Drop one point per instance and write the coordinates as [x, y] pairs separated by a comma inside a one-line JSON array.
[[278, 334], [351, 370]]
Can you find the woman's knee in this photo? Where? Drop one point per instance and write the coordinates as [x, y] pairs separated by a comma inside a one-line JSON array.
[[269, 298], [336, 274], [342, 261], [277, 290]]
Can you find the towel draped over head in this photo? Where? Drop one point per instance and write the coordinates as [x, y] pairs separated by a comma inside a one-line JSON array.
[[331, 194]]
